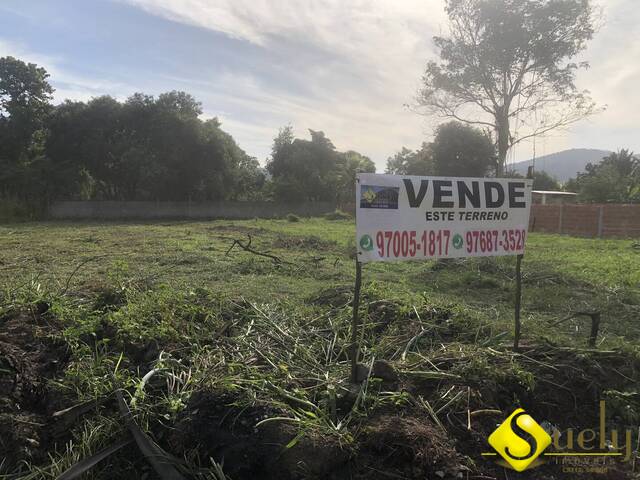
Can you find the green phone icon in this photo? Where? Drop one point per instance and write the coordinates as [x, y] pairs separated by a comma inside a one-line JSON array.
[[457, 241], [366, 243]]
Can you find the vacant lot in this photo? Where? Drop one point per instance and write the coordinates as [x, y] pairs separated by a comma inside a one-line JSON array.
[[236, 364]]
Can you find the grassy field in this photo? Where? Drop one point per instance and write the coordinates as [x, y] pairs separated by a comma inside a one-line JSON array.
[[561, 273], [221, 352]]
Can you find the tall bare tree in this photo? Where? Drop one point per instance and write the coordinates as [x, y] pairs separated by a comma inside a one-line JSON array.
[[507, 66]]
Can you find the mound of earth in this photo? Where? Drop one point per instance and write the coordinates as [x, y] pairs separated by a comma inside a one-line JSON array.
[[28, 359], [307, 243], [217, 428]]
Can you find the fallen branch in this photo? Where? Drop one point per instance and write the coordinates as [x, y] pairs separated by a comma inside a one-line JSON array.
[[413, 340], [432, 413], [427, 375], [595, 324], [83, 466], [75, 270], [488, 411], [247, 248], [154, 455]]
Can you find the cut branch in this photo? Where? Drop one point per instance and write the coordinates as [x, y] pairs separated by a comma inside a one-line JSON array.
[[595, 324], [247, 248]]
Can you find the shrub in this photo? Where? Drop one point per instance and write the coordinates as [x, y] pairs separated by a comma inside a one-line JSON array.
[[337, 215], [293, 218], [12, 210]]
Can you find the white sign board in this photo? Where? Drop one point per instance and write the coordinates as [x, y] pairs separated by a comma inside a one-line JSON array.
[[412, 218]]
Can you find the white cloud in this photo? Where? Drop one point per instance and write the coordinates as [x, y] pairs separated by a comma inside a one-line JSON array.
[[348, 67], [358, 63], [381, 48], [612, 80]]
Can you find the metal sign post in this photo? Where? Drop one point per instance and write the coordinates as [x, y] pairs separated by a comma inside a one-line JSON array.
[[517, 324], [518, 300], [354, 324]]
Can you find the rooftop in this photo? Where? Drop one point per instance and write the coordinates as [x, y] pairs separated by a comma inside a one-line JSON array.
[[553, 192]]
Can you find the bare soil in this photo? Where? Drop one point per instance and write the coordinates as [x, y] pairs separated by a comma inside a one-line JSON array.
[[28, 359]]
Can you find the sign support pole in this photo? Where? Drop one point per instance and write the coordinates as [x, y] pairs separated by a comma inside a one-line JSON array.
[[355, 350], [518, 302], [518, 325]]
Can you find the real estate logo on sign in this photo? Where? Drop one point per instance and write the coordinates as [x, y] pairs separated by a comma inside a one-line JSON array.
[[374, 196], [410, 217]]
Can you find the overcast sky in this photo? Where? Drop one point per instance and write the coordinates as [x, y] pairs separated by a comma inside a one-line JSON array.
[[344, 67]]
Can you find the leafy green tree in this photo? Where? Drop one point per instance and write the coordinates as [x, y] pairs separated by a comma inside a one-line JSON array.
[[249, 179], [281, 151], [507, 64], [234, 175], [25, 96], [409, 162], [543, 181], [303, 170], [285, 167], [457, 150], [180, 104], [616, 179], [312, 170], [349, 164], [461, 151], [147, 149], [70, 177], [281, 143]]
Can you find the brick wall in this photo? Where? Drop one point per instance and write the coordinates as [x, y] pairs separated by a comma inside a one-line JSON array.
[[584, 220]]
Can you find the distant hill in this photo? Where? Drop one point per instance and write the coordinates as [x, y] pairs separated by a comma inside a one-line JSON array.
[[563, 165]]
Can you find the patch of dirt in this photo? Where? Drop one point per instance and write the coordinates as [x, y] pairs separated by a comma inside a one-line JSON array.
[[557, 386], [569, 385], [237, 229], [335, 297], [406, 446], [390, 445], [382, 314], [109, 299], [446, 264], [303, 242], [213, 424], [28, 359], [395, 318]]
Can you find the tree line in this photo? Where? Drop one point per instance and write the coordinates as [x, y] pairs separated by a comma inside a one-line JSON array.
[[158, 148], [505, 65], [145, 148], [615, 179]]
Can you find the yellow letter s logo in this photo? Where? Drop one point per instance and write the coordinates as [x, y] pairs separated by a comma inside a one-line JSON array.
[[519, 440]]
